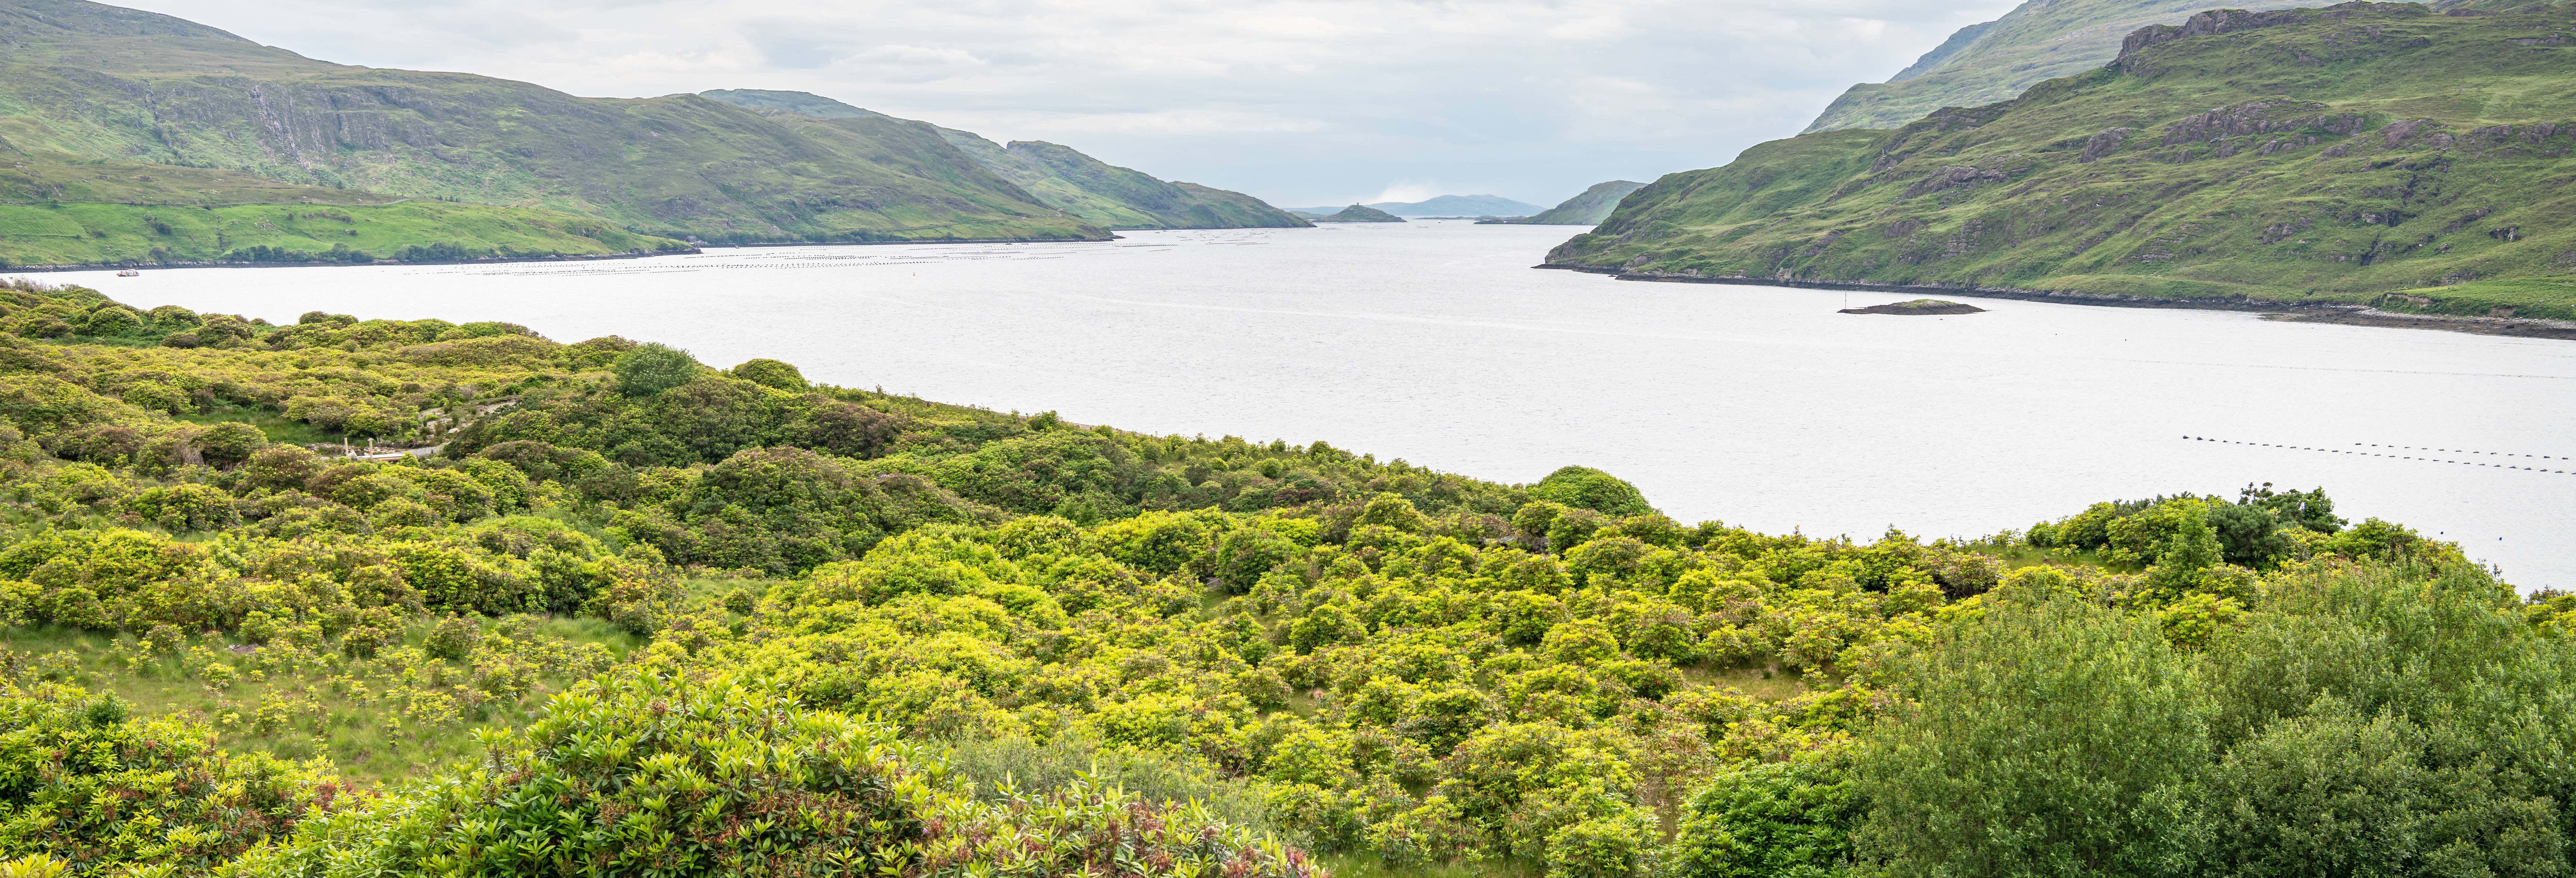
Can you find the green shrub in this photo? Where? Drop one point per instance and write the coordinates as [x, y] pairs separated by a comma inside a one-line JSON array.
[[82, 782], [230, 443], [771, 374], [1587, 488], [651, 368], [451, 638]]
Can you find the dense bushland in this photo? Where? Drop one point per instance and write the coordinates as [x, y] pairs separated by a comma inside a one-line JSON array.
[[640, 616]]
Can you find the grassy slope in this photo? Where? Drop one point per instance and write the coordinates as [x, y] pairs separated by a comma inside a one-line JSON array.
[[2039, 40], [2347, 206], [1586, 209], [1119, 198], [96, 81], [88, 233]]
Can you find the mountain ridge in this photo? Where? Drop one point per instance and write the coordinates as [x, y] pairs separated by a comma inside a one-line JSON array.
[[1996, 60]]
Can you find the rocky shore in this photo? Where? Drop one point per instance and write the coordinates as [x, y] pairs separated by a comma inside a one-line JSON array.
[[2294, 312]]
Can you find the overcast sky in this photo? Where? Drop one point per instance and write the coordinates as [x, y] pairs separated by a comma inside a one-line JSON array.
[[1299, 102]]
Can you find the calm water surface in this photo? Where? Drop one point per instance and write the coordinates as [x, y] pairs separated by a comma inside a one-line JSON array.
[[1434, 342]]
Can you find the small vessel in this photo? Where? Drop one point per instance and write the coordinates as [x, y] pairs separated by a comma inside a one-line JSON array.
[[129, 273]]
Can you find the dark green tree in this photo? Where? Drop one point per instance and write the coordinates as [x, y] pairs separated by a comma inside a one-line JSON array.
[[2051, 738]]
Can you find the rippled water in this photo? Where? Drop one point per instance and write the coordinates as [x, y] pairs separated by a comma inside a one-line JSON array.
[[1434, 342]]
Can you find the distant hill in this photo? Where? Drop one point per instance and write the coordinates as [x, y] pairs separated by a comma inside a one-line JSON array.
[[1985, 63], [1589, 208], [1459, 205], [84, 82], [1357, 213], [1059, 176], [2364, 153]]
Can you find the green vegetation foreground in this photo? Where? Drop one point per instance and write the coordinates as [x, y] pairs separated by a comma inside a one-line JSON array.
[[637, 616]]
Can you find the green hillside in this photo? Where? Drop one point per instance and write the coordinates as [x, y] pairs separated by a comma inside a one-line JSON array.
[[1057, 176], [1360, 213], [1996, 60], [2378, 153], [90, 233], [1117, 197], [63, 212], [1589, 208], [94, 81]]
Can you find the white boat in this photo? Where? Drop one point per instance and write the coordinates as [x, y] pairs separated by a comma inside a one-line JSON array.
[[129, 273]]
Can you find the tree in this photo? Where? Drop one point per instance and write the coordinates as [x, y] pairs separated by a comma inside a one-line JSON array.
[[230, 442], [653, 367], [2052, 738], [2249, 535]]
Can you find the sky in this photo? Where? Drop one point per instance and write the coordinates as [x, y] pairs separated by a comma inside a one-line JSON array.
[[1298, 102]]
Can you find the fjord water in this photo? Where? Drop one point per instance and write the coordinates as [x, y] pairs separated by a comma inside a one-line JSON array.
[[1436, 343]]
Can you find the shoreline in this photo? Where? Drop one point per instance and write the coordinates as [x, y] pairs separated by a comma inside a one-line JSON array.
[[166, 266], [2287, 312], [557, 257]]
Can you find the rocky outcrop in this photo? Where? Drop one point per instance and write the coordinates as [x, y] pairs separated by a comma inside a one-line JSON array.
[[2220, 21], [2102, 143]]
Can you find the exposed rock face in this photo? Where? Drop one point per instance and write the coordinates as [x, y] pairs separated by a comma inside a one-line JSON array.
[[1918, 306], [2220, 21], [2102, 143], [1953, 177]]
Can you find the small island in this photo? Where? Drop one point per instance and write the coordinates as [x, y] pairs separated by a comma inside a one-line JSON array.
[[1357, 213], [1918, 306]]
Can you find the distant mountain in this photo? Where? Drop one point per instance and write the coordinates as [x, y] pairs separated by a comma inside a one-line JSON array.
[[1994, 61], [1587, 209], [1357, 213], [85, 82], [1459, 205], [1059, 176]]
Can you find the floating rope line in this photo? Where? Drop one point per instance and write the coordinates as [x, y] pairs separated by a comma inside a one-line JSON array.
[[2360, 449]]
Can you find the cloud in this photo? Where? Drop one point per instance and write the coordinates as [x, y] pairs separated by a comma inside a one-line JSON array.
[[1409, 190], [1296, 101]]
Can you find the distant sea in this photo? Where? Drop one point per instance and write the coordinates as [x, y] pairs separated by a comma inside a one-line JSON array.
[[1436, 343]]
